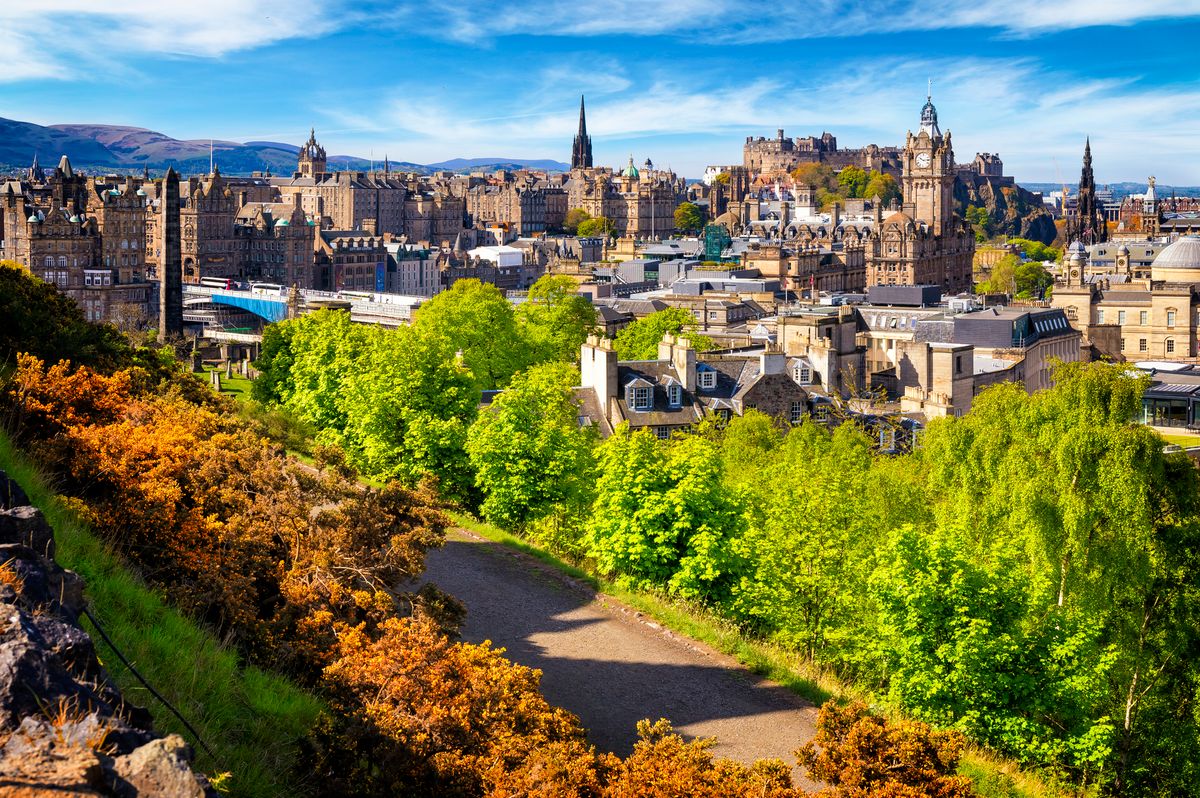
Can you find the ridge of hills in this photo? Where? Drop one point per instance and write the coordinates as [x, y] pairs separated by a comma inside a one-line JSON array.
[[108, 147]]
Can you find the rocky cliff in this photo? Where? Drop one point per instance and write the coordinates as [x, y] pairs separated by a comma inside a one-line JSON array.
[[1014, 210], [65, 730]]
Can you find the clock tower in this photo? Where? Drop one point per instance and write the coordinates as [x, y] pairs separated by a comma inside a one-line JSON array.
[[928, 176]]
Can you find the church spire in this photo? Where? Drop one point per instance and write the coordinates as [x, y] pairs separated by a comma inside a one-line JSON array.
[[581, 150]]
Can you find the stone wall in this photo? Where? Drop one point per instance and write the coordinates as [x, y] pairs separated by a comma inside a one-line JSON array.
[[65, 730]]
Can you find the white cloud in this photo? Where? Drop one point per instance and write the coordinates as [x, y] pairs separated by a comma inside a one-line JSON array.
[[58, 38], [1034, 118], [749, 21]]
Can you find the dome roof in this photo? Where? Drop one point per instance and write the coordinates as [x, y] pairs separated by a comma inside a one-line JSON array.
[[899, 217], [631, 170], [1183, 254]]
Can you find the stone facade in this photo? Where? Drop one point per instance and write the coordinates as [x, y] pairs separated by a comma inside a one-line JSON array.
[[782, 155], [45, 225]]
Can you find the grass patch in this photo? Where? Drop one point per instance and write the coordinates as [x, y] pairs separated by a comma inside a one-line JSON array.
[[994, 777], [237, 386], [1181, 439], [252, 719]]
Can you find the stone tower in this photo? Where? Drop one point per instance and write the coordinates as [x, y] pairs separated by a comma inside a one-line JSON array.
[[1092, 229], [170, 288], [928, 176], [311, 162], [581, 150]]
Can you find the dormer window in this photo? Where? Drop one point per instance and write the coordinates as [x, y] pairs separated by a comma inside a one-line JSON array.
[[638, 397], [708, 379], [802, 374], [675, 394]]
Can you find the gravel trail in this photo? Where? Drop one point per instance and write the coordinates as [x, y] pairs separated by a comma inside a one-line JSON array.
[[608, 664]]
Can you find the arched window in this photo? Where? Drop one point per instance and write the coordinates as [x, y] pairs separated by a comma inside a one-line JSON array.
[[62, 261], [49, 262]]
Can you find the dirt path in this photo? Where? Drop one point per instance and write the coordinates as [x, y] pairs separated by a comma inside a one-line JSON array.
[[608, 665]]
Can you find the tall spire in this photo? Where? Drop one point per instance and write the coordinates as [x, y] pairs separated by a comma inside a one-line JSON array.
[[1091, 224], [581, 150]]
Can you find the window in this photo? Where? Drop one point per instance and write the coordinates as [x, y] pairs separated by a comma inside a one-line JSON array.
[[1122, 344], [1120, 317], [708, 379], [1143, 318], [1170, 318], [675, 394], [821, 412], [1142, 347], [662, 433], [958, 364], [1170, 346], [641, 398], [797, 412], [1099, 316], [802, 375]]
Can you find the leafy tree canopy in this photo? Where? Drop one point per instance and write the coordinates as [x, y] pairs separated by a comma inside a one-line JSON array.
[[639, 341]]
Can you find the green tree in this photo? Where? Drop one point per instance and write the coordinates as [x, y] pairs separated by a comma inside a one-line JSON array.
[[556, 319], [664, 517], [688, 217], [811, 539], [325, 347], [408, 405], [722, 178], [853, 181], [981, 221], [1032, 279], [575, 216], [1002, 277], [475, 319], [1104, 526], [639, 341], [40, 320], [274, 364], [1036, 250], [599, 226], [530, 456]]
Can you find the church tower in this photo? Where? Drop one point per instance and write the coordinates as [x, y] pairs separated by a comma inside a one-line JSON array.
[[1092, 229], [581, 150], [311, 162], [928, 176]]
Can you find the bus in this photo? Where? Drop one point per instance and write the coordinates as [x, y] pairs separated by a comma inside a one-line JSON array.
[[220, 283], [266, 288], [364, 296]]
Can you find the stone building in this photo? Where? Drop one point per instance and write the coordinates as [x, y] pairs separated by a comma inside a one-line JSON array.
[[926, 243], [1138, 319], [519, 204], [781, 155], [639, 202], [351, 260], [374, 201], [931, 361], [45, 226], [680, 388]]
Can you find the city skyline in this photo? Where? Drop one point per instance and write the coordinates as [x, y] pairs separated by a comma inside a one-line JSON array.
[[682, 84]]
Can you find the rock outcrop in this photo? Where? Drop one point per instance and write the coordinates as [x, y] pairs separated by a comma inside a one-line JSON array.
[[65, 730], [1014, 211]]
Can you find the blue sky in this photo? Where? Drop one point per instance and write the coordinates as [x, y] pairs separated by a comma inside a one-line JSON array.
[[680, 81]]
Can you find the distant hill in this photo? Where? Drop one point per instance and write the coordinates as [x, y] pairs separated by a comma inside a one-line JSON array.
[[103, 148], [492, 164]]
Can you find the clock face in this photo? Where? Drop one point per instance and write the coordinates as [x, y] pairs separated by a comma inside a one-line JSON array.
[[923, 160]]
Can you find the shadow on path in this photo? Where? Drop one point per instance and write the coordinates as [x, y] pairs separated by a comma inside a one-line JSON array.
[[600, 662]]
